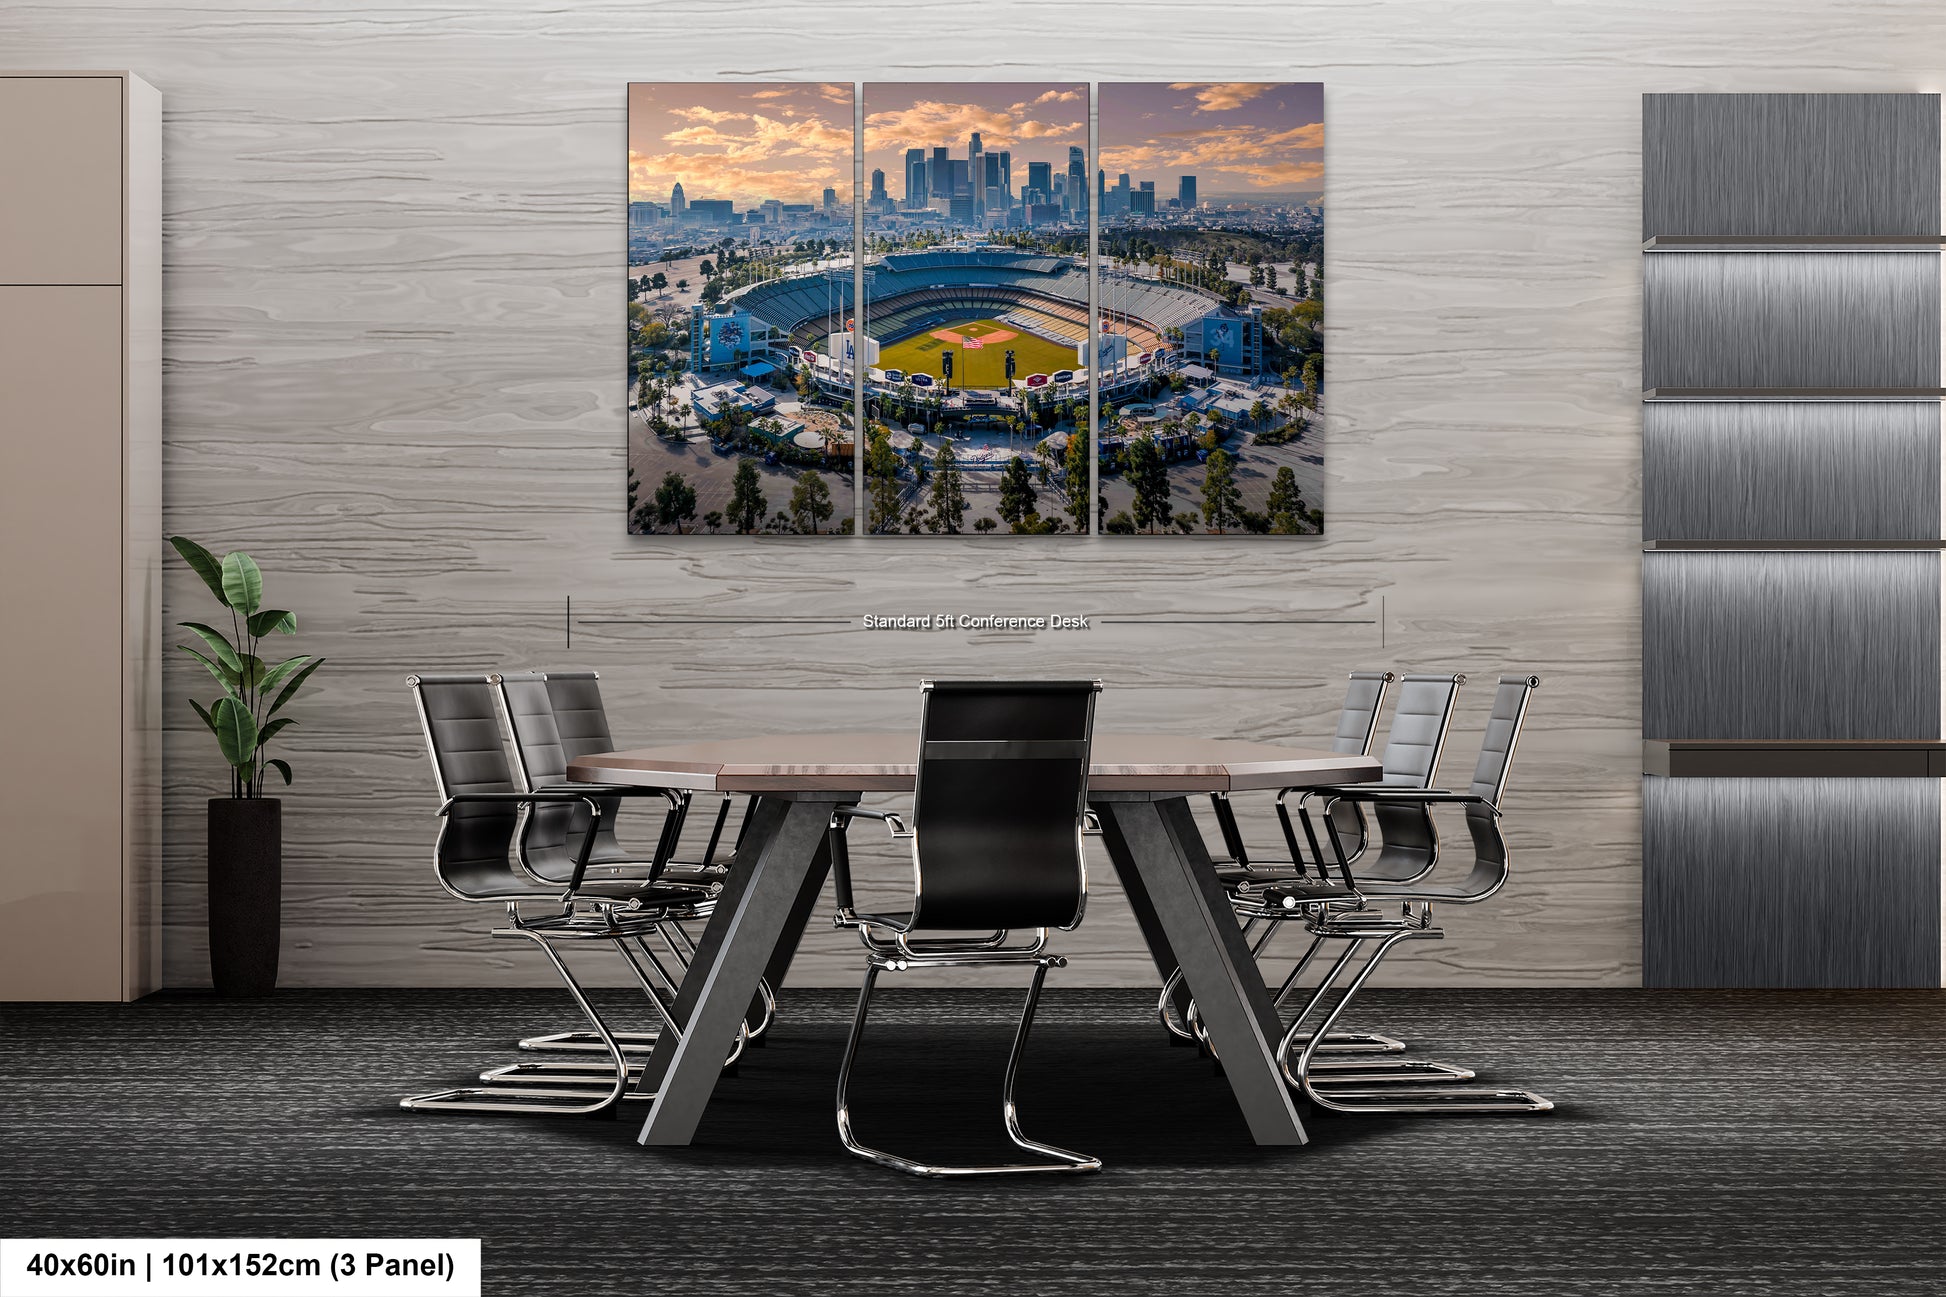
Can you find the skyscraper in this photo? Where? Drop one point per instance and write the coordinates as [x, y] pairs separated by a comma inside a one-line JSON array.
[[976, 172], [939, 174], [916, 189], [1040, 175], [830, 201], [1006, 177], [1077, 191], [1142, 201], [1186, 192], [878, 185], [677, 203]]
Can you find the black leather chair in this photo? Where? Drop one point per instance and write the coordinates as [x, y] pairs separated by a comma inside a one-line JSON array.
[[554, 718], [1354, 921], [998, 813], [1357, 723], [481, 812]]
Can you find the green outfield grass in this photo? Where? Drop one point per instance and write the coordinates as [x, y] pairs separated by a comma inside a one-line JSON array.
[[984, 366]]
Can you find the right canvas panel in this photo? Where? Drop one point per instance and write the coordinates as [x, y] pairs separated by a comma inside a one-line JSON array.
[[1210, 339]]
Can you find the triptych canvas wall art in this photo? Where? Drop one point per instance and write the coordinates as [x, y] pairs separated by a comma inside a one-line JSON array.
[[1007, 275]]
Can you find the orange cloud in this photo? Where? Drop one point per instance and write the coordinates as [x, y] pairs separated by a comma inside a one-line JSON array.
[[1216, 96], [930, 121]]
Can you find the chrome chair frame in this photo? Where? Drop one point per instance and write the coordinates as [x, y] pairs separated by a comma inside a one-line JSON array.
[[893, 943], [1356, 925], [536, 730], [619, 912]]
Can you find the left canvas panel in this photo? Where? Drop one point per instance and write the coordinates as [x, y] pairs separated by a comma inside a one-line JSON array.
[[739, 270]]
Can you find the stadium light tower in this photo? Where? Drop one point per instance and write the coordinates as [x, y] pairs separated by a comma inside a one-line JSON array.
[[946, 369]]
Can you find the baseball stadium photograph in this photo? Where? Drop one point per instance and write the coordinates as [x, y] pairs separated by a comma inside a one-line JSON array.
[[1211, 346], [974, 335], [739, 249]]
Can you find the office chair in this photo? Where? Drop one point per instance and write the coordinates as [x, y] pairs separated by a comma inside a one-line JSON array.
[[1414, 743], [556, 717], [1357, 723], [475, 860], [998, 812], [1353, 922]]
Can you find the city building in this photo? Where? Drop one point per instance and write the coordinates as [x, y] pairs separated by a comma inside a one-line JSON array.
[[1077, 190], [917, 189], [677, 203], [1040, 177], [1186, 193], [1142, 201], [976, 171]]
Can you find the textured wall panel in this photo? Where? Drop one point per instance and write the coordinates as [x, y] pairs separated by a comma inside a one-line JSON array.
[[1780, 471], [1790, 645], [1738, 319], [1791, 882], [394, 363], [1790, 164]]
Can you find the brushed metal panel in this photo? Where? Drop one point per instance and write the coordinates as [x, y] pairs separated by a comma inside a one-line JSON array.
[[1790, 471], [1800, 319], [1791, 882], [1751, 164], [1790, 646]]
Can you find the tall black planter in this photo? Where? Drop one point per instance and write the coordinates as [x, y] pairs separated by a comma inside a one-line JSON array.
[[246, 885]]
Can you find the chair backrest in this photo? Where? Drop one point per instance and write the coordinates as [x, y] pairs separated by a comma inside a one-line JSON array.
[[1420, 721], [1357, 725], [1504, 722], [1413, 746], [543, 708], [1358, 719], [462, 731], [997, 808]]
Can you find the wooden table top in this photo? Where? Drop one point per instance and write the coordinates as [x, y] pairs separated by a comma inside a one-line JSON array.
[[1153, 763]]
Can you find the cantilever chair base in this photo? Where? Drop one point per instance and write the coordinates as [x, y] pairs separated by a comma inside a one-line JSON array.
[[559, 1103], [1429, 1101], [1061, 1160], [632, 1042]]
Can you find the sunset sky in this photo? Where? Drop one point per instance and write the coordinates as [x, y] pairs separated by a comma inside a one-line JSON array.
[[1239, 139], [744, 141], [1034, 120]]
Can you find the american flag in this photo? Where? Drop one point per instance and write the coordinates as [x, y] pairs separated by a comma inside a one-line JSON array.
[[972, 344]]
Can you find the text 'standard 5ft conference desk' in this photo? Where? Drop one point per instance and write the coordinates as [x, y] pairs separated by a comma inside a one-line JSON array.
[[1139, 784]]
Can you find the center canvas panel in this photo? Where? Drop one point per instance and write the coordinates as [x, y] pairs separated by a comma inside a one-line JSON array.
[[974, 333], [1212, 308], [739, 269]]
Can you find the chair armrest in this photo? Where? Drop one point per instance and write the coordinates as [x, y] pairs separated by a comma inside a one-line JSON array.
[[845, 814], [552, 796], [1419, 796], [1090, 824]]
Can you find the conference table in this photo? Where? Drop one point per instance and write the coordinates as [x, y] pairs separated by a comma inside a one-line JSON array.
[[1138, 784]]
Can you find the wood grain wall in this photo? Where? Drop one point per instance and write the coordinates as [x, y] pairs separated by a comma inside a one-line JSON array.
[[394, 363]]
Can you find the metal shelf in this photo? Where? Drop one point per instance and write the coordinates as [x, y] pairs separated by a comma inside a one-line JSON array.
[[1888, 546], [1795, 243], [1794, 758], [1794, 394]]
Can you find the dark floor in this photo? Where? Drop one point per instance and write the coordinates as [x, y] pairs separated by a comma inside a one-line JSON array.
[[1710, 1143]]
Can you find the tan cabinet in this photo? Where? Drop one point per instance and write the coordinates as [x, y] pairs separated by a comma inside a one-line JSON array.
[[80, 532]]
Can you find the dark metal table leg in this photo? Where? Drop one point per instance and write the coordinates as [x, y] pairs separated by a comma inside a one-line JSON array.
[[1157, 844], [756, 906]]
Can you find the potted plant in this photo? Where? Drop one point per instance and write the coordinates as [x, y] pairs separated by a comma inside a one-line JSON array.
[[246, 848]]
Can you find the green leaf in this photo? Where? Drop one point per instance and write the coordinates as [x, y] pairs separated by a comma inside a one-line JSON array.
[[283, 768], [205, 564], [224, 676], [270, 678], [252, 672], [219, 644], [269, 731], [273, 619], [236, 731], [291, 688], [243, 583], [203, 712]]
